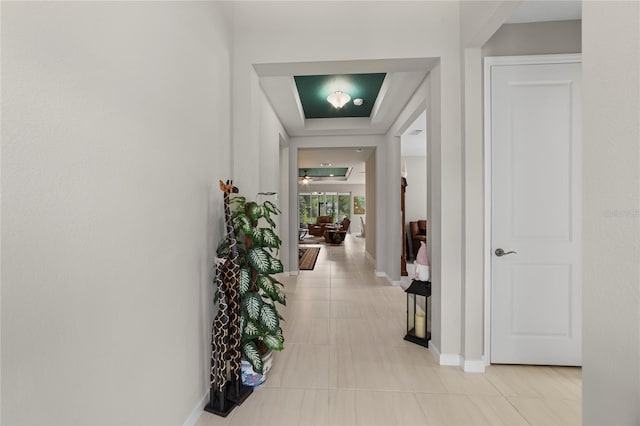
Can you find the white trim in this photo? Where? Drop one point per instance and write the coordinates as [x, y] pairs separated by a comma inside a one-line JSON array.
[[473, 366], [197, 411], [434, 350], [444, 359], [381, 274], [293, 273], [396, 283], [489, 62]]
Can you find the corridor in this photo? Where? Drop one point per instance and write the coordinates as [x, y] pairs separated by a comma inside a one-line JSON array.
[[345, 363]]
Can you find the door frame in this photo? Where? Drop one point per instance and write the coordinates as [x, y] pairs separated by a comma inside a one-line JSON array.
[[489, 63]]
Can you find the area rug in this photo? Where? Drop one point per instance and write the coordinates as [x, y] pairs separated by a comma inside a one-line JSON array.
[[307, 257], [310, 239]]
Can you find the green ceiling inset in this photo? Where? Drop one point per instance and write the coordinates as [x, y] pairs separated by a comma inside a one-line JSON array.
[[314, 89], [324, 172]]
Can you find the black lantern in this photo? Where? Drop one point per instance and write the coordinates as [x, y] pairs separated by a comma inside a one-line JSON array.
[[417, 295]]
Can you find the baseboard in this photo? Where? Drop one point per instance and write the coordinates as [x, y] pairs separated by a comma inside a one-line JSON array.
[[397, 283], [293, 273], [197, 410], [444, 359], [473, 366], [380, 274]]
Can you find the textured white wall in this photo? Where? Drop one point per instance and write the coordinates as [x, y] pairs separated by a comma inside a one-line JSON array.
[[611, 321], [115, 131]]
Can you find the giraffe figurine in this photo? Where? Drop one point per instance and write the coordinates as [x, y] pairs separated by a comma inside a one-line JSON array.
[[219, 344], [230, 273], [226, 380]]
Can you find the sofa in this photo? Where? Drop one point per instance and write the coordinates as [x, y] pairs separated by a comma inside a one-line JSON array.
[[322, 222]]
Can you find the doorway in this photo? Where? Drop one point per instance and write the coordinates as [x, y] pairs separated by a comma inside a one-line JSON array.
[[533, 124]]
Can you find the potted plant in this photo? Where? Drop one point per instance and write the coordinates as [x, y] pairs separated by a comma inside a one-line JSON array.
[[260, 291]]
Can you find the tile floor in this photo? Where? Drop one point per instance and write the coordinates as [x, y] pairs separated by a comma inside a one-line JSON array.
[[345, 363]]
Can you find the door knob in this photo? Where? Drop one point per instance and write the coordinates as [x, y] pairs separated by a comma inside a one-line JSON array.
[[500, 252]]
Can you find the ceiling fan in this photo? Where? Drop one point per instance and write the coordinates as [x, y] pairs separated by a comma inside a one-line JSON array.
[[305, 179]]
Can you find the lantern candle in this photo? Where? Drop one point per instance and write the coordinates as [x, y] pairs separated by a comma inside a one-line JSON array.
[[421, 325]]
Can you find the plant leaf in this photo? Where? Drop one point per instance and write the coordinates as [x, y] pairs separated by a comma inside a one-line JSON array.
[[265, 282], [257, 237], [269, 221], [251, 354], [244, 280], [251, 330], [255, 211], [269, 318], [270, 207], [252, 304], [280, 296], [260, 260], [276, 266], [237, 202], [243, 322], [274, 342], [243, 223], [270, 239]]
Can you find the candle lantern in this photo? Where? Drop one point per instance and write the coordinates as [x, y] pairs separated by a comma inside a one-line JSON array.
[[417, 312]]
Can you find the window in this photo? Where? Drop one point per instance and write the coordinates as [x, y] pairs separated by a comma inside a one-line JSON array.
[[334, 204]]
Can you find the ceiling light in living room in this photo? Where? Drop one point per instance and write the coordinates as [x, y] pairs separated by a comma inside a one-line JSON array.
[[338, 99]]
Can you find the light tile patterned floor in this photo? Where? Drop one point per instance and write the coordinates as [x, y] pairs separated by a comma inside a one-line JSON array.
[[345, 363]]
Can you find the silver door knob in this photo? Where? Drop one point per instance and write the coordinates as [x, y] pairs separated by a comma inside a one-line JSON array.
[[500, 252]]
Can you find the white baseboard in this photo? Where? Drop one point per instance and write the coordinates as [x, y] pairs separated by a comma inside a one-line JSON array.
[[197, 410], [473, 366], [397, 283], [293, 273], [380, 274], [444, 359]]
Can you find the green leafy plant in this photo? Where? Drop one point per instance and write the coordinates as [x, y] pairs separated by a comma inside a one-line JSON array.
[[260, 292]]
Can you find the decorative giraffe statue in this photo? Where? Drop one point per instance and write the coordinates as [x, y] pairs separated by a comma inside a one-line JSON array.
[[230, 273], [225, 374], [219, 342]]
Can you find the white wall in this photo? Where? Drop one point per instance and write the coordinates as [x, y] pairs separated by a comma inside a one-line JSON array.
[[416, 195], [371, 221], [115, 131], [611, 294], [272, 168]]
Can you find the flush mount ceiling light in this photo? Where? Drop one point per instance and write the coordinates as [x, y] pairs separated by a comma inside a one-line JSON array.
[[338, 99], [358, 102], [325, 164]]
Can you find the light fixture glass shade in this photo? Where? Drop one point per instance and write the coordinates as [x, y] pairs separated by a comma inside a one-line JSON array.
[[338, 99]]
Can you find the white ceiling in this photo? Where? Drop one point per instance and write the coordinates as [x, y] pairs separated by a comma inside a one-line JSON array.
[[337, 157], [547, 10]]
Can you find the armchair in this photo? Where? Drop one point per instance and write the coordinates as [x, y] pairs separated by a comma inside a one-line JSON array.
[[321, 224]]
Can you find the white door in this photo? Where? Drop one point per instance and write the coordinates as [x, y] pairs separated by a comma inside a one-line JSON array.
[[536, 291]]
